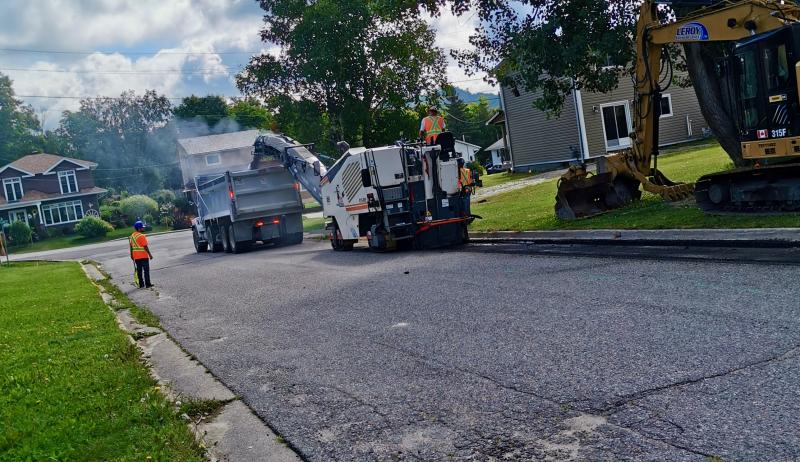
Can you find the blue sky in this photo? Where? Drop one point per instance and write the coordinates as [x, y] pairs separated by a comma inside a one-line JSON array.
[[177, 47]]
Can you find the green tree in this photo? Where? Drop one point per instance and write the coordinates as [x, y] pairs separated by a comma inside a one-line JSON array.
[[210, 109], [353, 59], [249, 113], [128, 137], [455, 113], [18, 125]]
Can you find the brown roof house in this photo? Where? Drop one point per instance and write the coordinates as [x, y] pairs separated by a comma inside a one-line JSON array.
[[48, 191]]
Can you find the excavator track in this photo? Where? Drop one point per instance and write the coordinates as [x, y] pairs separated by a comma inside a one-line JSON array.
[[763, 190]]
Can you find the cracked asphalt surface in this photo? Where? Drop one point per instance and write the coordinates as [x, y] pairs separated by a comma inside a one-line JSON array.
[[468, 355]]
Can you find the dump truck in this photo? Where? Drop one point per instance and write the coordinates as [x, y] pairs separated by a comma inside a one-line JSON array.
[[237, 209]]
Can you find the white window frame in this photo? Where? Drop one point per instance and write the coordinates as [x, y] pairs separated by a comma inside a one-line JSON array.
[[67, 174], [668, 97], [211, 164], [627, 105], [13, 215], [62, 207], [11, 181]]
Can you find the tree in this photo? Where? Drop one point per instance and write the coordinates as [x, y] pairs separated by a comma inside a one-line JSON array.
[[128, 137], [455, 113], [353, 59], [19, 126], [554, 46], [210, 109], [249, 113]]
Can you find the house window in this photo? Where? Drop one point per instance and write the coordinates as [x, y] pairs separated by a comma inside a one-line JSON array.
[[616, 125], [13, 189], [666, 105], [68, 182], [63, 212], [213, 159]]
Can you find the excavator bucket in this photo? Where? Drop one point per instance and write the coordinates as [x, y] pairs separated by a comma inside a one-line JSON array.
[[586, 196]]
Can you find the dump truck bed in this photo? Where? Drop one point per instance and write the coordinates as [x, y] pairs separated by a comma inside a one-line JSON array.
[[248, 194]]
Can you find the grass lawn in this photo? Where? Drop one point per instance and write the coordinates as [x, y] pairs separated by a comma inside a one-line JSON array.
[[531, 208], [74, 240], [313, 224], [72, 387], [504, 177]]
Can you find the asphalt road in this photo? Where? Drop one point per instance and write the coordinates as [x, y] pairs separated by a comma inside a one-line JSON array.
[[473, 355]]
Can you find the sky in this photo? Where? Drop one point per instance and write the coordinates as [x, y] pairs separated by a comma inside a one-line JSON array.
[[57, 51]]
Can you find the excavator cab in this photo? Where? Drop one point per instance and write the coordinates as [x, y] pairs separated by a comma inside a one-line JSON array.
[[764, 79]]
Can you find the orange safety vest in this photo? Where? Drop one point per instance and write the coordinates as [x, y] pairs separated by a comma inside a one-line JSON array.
[[465, 179], [433, 126], [138, 242]]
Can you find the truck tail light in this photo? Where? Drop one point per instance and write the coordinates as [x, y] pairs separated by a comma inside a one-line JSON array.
[[297, 186], [259, 223], [276, 221], [230, 193]]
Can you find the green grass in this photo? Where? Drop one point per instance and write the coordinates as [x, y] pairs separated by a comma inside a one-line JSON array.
[[531, 208], [504, 177], [313, 224], [143, 316], [62, 242], [72, 387]]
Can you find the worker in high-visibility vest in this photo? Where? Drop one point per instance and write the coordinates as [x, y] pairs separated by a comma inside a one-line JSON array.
[[140, 254], [465, 183], [431, 126]]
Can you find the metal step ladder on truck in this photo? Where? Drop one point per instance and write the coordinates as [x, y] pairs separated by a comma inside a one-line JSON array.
[[261, 204], [402, 196]]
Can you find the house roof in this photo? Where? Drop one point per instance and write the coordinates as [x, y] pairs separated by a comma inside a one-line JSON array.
[[42, 163], [468, 144], [497, 119], [32, 197], [499, 144], [215, 143]]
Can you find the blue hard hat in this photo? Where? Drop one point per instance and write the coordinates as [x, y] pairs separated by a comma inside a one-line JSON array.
[[138, 225]]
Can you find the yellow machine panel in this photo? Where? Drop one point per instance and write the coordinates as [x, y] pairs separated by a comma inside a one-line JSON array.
[[783, 147]]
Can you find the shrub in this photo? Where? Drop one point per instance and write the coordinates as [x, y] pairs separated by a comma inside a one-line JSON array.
[[19, 233], [142, 207], [164, 196], [112, 213], [90, 226]]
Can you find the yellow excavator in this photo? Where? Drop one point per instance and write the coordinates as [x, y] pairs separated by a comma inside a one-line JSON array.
[[762, 75]]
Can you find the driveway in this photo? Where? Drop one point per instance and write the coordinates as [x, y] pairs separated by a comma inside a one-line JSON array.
[[469, 355]]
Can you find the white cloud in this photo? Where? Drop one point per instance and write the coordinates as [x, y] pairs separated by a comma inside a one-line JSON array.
[[453, 34], [211, 29]]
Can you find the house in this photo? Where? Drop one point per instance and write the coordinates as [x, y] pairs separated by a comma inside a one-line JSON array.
[[213, 154], [48, 191], [466, 151], [499, 149], [590, 125]]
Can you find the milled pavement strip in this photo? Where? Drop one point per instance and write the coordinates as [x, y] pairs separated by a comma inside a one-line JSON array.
[[235, 433]]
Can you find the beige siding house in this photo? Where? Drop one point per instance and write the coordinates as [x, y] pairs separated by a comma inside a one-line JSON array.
[[590, 125]]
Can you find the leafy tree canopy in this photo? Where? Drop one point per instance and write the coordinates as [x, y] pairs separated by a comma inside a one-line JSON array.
[[128, 136], [19, 127], [250, 113], [210, 109], [352, 59]]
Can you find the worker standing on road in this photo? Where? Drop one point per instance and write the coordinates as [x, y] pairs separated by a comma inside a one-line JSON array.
[[465, 183], [140, 254], [431, 126]]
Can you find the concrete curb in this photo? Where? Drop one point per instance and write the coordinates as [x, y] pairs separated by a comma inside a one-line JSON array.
[[234, 433], [734, 238]]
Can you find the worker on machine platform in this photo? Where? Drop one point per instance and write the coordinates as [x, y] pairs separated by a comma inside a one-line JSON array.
[[431, 126]]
